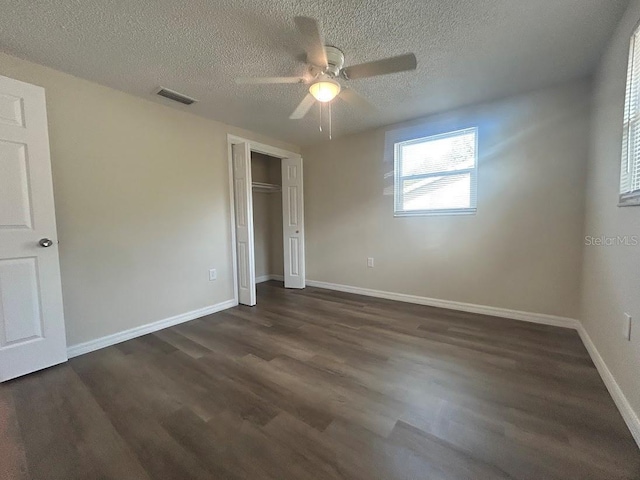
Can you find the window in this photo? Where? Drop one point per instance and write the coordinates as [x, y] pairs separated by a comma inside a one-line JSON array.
[[630, 166], [437, 175]]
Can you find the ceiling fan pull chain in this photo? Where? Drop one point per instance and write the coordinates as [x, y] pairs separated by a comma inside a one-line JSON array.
[[320, 106], [329, 120]]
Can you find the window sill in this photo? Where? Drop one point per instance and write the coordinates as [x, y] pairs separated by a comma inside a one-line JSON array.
[[431, 213], [630, 200]]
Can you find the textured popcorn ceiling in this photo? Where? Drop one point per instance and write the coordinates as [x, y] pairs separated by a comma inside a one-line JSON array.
[[468, 51]]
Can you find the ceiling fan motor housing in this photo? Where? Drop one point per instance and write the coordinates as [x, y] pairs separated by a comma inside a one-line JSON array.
[[335, 60]]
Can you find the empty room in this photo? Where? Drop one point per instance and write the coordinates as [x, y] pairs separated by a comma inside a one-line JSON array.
[[324, 240]]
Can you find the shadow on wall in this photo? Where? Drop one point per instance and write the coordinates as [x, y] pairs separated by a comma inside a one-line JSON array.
[[522, 250]]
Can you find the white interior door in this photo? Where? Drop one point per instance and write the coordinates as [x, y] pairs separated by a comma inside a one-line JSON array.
[[293, 223], [32, 334], [245, 252]]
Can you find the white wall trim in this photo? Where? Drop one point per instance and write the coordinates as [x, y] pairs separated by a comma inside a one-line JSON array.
[[262, 147], [102, 342], [451, 305], [266, 278], [630, 417], [254, 147]]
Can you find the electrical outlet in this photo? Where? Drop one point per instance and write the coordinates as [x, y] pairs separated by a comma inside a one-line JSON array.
[[213, 275], [626, 327], [370, 262]]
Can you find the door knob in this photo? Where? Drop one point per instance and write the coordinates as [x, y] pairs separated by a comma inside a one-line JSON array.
[[45, 242]]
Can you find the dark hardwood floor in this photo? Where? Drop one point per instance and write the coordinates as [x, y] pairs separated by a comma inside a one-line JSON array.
[[322, 385]]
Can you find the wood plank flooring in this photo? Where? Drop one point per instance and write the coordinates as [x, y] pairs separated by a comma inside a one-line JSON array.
[[322, 385]]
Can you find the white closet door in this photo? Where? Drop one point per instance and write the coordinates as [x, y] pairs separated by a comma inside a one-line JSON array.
[[32, 334], [293, 223], [245, 252]]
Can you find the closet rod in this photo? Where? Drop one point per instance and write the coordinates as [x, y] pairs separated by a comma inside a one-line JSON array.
[[266, 187]]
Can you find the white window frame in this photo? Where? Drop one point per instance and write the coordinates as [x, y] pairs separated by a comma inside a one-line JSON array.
[[629, 163], [398, 178]]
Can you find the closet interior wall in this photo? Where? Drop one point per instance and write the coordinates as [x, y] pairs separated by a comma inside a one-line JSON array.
[[267, 217]]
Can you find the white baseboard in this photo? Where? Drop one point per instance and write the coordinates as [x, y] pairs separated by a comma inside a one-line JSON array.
[[628, 414], [102, 342], [266, 278], [630, 417], [451, 305]]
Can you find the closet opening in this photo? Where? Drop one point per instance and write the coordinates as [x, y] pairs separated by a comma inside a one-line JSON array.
[[266, 183], [266, 191]]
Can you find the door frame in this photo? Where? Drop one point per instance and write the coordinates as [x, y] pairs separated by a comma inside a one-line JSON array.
[[253, 147]]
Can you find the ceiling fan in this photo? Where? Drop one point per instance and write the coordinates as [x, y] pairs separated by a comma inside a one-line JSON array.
[[326, 71]]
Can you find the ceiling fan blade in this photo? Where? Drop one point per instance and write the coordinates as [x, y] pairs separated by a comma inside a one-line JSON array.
[[356, 100], [313, 40], [400, 63], [304, 106], [268, 80]]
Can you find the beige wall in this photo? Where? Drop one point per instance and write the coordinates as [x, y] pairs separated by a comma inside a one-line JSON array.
[[261, 214], [523, 248], [267, 216], [142, 204], [611, 275]]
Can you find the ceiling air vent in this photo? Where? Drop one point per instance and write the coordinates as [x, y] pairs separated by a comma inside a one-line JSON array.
[[175, 96]]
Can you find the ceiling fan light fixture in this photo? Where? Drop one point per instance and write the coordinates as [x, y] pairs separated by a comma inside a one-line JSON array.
[[325, 90]]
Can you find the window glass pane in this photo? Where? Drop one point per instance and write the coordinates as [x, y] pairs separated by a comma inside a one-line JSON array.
[[633, 87], [630, 161], [437, 193], [442, 154], [633, 167], [625, 177]]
